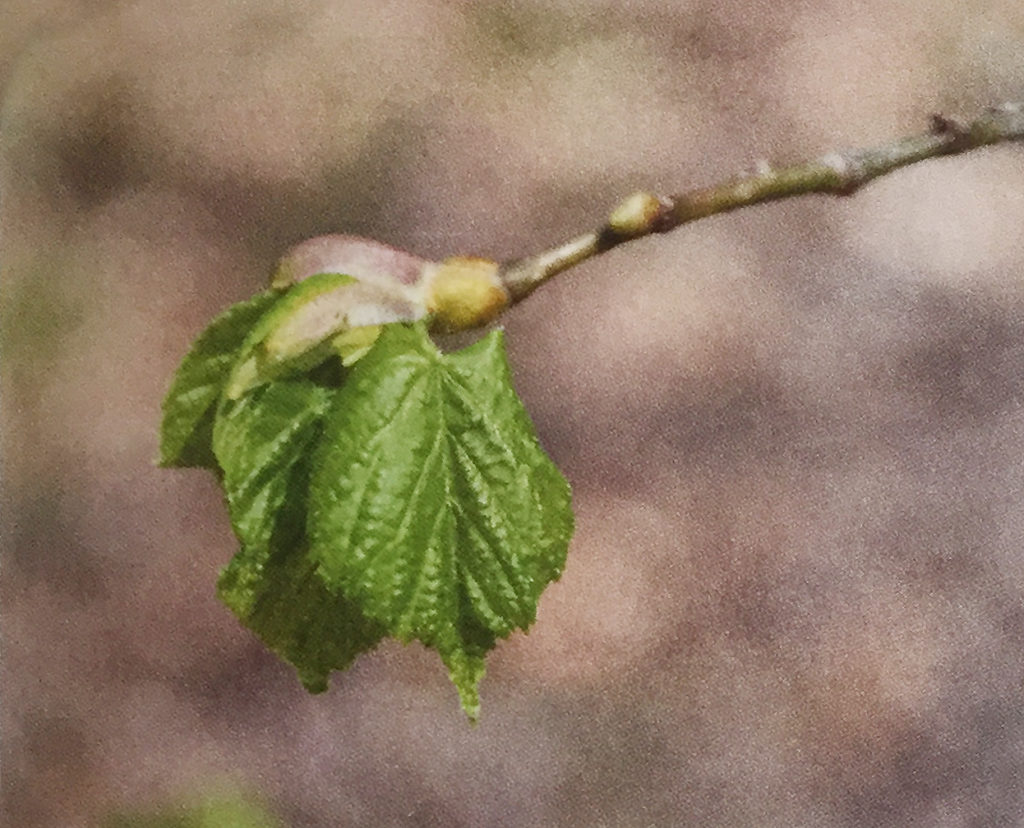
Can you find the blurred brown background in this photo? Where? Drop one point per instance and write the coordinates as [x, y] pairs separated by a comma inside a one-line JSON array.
[[795, 433]]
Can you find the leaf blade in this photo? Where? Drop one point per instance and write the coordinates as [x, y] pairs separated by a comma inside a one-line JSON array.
[[431, 503], [276, 591], [189, 405], [257, 441], [272, 585]]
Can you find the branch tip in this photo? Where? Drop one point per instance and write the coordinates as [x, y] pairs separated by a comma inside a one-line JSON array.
[[837, 173]]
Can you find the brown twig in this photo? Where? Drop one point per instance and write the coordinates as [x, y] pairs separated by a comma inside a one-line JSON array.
[[837, 173]]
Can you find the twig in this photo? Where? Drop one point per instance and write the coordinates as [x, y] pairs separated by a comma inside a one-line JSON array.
[[837, 173]]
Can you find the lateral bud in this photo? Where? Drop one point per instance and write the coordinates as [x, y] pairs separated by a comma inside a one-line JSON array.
[[637, 215]]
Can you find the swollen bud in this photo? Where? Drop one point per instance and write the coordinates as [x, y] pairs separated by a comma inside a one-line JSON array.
[[636, 215], [464, 292]]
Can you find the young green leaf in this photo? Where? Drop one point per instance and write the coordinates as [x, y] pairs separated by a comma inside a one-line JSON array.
[[299, 331], [432, 505], [262, 443], [279, 595], [188, 408], [257, 441]]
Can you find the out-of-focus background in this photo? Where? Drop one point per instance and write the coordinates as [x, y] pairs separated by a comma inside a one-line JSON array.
[[795, 433]]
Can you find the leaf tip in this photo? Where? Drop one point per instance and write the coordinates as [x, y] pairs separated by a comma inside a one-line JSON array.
[[314, 683], [465, 671]]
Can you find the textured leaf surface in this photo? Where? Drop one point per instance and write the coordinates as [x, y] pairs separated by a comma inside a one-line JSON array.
[[432, 505], [262, 443], [257, 442], [278, 593], [188, 408], [405, 496]]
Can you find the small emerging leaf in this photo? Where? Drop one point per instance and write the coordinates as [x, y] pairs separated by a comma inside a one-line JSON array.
[[297, 333], [431, 504], [188, 408], [353, 345]]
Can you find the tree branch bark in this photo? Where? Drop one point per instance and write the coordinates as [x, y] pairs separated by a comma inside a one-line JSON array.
[[836, 173]]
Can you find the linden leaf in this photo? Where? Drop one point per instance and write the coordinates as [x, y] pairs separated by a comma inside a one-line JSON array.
[[262, 442], [432, 506], [257, 441], [280, 596], [188, 408]]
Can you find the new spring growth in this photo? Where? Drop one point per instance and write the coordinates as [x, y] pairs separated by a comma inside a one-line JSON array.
[[465, 292], [337, 292], [637, 215], [391, 285]]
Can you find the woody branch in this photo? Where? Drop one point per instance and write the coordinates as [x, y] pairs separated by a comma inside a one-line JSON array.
[[838, 173]]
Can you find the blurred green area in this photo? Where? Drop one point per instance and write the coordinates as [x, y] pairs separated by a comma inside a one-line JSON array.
[[216, 811]]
